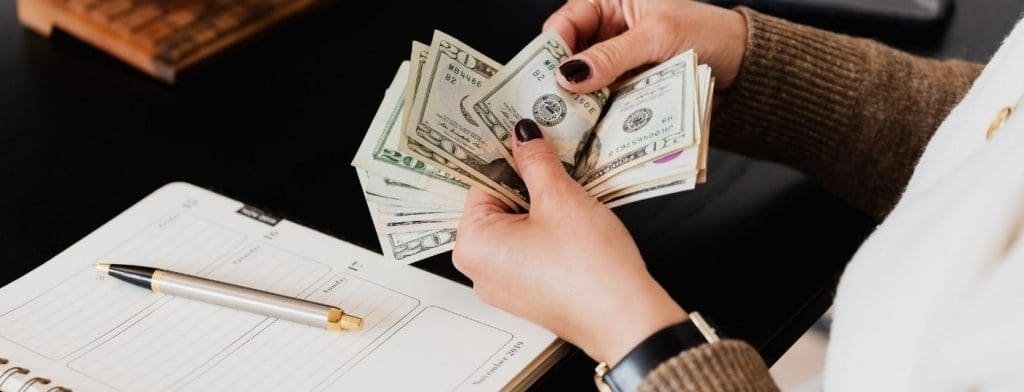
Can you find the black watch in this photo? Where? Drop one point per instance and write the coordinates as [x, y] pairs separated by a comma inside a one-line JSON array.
[[631, 371]]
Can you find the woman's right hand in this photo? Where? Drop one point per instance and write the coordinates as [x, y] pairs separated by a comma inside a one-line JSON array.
[[626, 34]]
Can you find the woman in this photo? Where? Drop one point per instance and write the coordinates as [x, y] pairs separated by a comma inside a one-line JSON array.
[[930, 300]]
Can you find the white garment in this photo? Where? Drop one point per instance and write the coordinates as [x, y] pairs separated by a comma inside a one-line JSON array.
[[934, 299]]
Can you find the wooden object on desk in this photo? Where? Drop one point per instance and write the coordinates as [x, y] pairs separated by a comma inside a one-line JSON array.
[[159, 37]]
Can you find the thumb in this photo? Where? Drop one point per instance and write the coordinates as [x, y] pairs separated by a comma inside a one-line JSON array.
[[538, 164], [605, 61]]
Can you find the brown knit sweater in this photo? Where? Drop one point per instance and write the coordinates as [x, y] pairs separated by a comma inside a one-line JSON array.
[[852, 114]]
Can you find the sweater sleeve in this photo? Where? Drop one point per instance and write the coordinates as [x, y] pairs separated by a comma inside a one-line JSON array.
[[728, 365], [852, 114]]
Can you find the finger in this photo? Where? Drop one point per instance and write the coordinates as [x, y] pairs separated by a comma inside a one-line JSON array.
[[605, 61], [483, 218], [539, 165], [479, 202], [577, 22]]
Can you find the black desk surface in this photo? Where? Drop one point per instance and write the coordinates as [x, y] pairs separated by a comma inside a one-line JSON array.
[[275, 123]]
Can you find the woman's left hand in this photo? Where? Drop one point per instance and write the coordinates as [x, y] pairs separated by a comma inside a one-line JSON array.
[[568, 265]]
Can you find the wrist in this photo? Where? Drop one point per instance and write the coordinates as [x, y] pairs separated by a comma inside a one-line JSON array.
[[641, 319], [734, 50], [631, 371]]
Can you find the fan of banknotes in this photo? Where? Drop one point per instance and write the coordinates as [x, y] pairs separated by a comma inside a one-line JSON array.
[[447, 119]]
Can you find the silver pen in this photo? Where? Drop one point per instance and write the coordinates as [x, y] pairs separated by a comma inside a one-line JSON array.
[[234, 296]]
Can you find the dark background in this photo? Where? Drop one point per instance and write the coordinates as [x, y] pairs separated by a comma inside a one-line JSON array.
[[276, 121]]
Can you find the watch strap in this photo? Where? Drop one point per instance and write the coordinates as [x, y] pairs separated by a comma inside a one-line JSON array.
[[631, 371]]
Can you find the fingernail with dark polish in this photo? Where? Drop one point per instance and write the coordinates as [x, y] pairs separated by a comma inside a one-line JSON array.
[[527, 130], [575, 71]]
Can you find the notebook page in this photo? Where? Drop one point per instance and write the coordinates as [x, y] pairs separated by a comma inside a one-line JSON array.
[[86, 331]]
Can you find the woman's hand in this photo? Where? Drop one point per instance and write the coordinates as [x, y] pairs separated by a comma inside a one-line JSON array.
[[568, 265], [630, 33]]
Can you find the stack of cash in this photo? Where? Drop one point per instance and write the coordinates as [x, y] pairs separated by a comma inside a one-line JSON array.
[[447, 120]]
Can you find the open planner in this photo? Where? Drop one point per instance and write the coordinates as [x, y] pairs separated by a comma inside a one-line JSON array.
[[65, 327]]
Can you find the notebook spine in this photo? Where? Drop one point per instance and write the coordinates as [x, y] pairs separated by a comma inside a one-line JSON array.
[[7, 376]]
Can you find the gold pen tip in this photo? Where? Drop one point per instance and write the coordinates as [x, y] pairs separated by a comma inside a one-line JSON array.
[[337, 320], [351, 323], [103, 267]]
